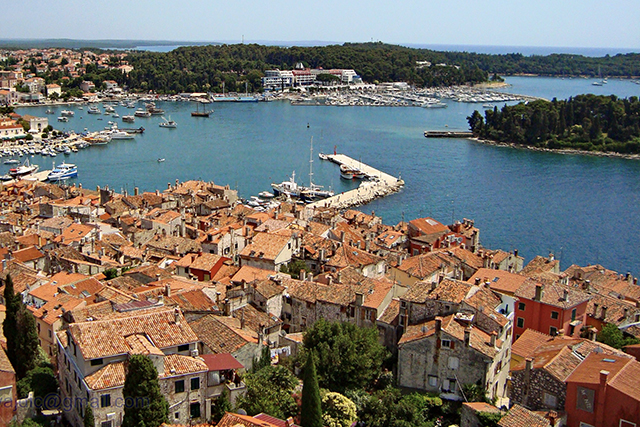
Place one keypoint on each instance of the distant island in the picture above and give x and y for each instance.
(590, 123)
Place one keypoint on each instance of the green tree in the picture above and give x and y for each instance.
(338, 410)
(20, 331)
(348, 356)
(10, 323)
(612, 336)
(311, 409)
(89, 420)
(220, 405)
(41, 381)
(270, 390)
(145, 405)
(263, 361)
(489, 419)
(294, 268)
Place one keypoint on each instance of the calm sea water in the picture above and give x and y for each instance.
(584, 209)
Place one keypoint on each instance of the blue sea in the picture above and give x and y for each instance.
(584, 209)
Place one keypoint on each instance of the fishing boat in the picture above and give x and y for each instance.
(24, 170)
(62, 171)
(168, 124)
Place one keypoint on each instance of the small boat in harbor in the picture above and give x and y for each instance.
(24, 170)
(128, 119)
(49, 111)
(62, 171)
(168, 124)
(161, 160)
(63, 119)
(67, 113)
(266, 195)
(346, 172)
(198, 113)
(142, 113)
(11, 162)
(94, 110)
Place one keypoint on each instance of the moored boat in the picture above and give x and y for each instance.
(24, 170)
(63, 171)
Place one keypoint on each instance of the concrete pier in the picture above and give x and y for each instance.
(379, 184)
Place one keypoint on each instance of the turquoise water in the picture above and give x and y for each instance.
(584, 209)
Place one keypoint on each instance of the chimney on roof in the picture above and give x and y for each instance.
(538, 295)
(359, 299)
(635, 280)
(604, 312)
(595, 309)
(551, 257)
(626, 313)
(438, 324)
(167, 289)
(528, 365)
(303, 275)
(242, 324)
(342, 236)
(176, 315)
(515, 253)
(329, 279)
(565, 295)
(467, 336)
(493, 334)
(629, 277)
(135, 191)
(478, 281)
(288, 422)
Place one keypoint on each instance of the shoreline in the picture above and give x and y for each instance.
(556, 151)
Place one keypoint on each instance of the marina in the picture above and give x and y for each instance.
(249, 145)
(378, 184)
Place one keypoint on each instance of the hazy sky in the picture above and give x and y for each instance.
(570, 23)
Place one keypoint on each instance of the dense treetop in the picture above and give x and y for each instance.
(584, 122)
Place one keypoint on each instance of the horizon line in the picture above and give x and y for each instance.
(307, 42)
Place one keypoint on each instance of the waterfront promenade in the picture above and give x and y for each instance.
(378, 184)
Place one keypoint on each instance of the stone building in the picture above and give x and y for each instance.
(445, 354)
(92, 357)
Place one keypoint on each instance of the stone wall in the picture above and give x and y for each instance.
(539, 383)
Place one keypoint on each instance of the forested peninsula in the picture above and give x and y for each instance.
(241, 66)
(585, 122)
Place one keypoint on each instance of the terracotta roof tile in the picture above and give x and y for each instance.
(552, 294)
(222, 334)
(103, 338)
(522, 417)
(499, 280)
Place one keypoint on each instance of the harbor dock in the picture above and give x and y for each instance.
(378, 184)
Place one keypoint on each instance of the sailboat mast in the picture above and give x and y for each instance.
(311, 164)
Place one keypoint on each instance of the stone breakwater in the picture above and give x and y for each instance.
(378, 184)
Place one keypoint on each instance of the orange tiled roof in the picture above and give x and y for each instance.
(113, 375)
(103, 338)
(522, 417)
